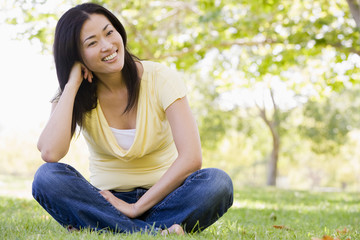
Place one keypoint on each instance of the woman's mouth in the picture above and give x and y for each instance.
(110, 57)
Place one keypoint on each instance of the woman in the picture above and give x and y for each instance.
(145, 153)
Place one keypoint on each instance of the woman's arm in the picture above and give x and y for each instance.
(187, 141)
(54, 140)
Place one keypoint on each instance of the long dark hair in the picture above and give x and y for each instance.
(67, 51)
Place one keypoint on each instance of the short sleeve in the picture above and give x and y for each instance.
(170, 86)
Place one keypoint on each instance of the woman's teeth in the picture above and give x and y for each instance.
(110, 56)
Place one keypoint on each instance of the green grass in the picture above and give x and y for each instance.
(253, 216)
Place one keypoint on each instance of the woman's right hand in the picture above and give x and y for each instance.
(78, 73)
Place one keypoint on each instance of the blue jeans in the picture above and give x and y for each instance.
(72, 201)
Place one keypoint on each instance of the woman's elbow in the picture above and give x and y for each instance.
(197, 163)
(49, 155)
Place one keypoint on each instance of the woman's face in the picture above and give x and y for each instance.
(102, 47)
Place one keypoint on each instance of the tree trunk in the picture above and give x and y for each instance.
(274, 157)
(273, 125)
(355, 11)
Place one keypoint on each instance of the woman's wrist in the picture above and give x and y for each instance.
(136, 210)
(70, 86)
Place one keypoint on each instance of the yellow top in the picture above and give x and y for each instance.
(153, 149)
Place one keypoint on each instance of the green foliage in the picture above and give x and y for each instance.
(182, 32)
(328, 123)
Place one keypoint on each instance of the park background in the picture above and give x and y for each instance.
(273, 85)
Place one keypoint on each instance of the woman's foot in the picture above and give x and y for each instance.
(72, 229)
(174, 229)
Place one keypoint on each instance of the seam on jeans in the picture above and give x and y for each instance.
(72, 169)
(155, 211)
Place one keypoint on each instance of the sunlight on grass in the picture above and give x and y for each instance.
(325, 206)
(15, 186)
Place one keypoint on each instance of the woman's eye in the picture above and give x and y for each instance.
(109, 32)
(92, 43)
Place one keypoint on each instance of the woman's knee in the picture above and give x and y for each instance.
(219, 178)
(215, 189)
(221, 183)
(47, 176)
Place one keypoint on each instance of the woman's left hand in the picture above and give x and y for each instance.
(124, 207)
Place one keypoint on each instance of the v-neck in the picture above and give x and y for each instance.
(107, 131)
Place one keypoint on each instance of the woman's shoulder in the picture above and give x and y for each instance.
(150, 66)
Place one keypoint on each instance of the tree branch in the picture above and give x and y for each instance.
(223, 45)
(262, 113)
(147, 51)
(275, 120)
(273, 99)
(192, 49)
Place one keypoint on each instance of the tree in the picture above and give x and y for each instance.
(327, 123)
(273, 125)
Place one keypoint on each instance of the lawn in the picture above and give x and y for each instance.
(261, 213)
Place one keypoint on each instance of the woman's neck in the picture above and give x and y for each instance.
(111, 82)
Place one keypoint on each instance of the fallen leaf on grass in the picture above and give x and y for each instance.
(345, 230)
(325, 237)
(281, 227)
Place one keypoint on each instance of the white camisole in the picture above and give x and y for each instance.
(124, 137)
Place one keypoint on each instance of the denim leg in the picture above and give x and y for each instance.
(71, 200)
(201, 200)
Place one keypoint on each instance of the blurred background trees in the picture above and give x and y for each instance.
(273, 84)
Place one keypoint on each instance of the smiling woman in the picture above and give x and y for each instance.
(145, 152)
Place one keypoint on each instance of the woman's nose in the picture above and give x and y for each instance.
(105, 45)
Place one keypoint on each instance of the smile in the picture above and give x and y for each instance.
(110, 57)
